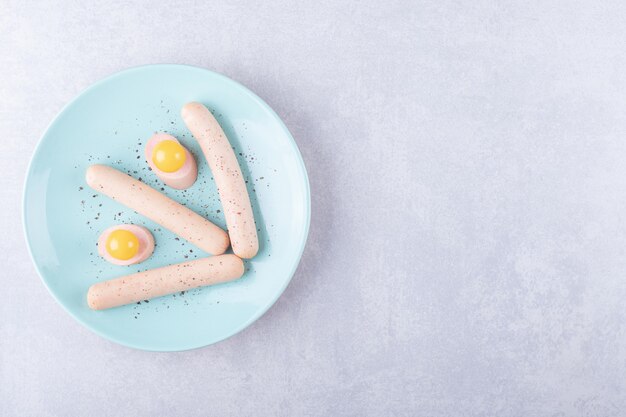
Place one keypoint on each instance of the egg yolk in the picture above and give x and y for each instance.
(122, 244)
(169, 156)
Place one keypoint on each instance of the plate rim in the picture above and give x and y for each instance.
(307, 205)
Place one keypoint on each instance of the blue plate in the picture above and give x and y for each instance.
(109, 124)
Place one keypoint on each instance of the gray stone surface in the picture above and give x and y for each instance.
(467, 247)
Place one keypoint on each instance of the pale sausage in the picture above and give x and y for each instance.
(228, 178)
(148, 202)
(162, 281)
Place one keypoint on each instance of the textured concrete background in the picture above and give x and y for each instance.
(467, 254)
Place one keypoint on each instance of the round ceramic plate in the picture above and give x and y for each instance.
(109, 124)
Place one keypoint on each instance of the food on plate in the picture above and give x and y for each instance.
(171, 161)
(162, 281)
(228, 178)
(126, 244)
(150, 203)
